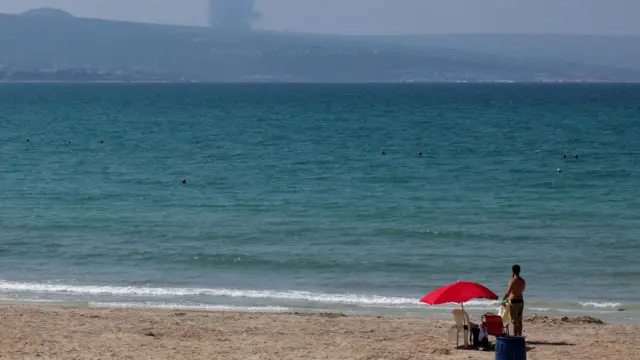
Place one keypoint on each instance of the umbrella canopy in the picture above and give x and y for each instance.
(458, 293)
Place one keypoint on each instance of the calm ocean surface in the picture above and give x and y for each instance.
(289, 205)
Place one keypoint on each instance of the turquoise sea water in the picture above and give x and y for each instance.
(289, 204)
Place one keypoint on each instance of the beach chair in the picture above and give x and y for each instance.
(494, 325)
(463, 325)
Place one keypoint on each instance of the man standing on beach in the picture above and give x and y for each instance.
(515, 294)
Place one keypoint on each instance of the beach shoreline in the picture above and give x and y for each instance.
(611, 313)
(57, 332)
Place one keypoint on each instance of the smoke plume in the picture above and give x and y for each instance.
(232, 14)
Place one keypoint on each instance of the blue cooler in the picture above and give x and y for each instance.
(511, 348)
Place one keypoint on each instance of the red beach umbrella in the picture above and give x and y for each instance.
(459, 293)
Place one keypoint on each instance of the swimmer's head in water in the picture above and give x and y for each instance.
(420, 153)
(516, 270)
(384, 153)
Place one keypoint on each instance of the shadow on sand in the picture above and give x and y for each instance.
(550, 343)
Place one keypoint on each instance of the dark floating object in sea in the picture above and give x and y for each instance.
(384, 153)
(564, 156)
(28, 140)
(101, 141)
(184, 180)
(420, 153)
(575, 156)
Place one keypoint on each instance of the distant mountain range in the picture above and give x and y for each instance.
(608, 50)
(49, 41)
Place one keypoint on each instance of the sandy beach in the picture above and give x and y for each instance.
(44, 332)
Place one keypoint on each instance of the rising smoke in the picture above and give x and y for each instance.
(232, 14)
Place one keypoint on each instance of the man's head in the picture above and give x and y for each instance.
(516, 270)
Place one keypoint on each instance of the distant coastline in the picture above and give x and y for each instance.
(558, 82)
(115, 51)
(89, 82)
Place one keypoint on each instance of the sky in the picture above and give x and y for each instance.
(378, 16)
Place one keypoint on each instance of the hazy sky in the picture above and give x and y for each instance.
(379, 16)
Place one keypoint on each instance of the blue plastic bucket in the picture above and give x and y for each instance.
(511, 348)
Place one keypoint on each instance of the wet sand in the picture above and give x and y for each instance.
(45, 332)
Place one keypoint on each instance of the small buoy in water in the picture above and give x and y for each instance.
(184, 180)
(420, 153)
(28, 140)
(559, 170)
(101, 141)
(575, 156)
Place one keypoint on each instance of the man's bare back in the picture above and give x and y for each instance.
(516, 288)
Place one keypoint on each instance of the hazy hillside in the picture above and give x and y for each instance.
(46, 39)
(617, 51)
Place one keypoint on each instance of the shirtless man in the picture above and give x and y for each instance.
(515, 294)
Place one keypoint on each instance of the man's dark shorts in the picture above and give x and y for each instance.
(517, 310)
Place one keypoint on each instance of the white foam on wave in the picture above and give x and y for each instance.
(353, 299)
(603, 305)
(482, 302)
(14, 301)
(171, 306)
(365, 300)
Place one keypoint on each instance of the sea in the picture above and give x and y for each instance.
(352, 198)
